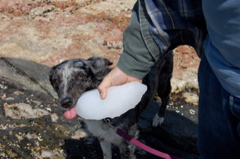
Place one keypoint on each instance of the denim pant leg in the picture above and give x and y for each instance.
(219, 116)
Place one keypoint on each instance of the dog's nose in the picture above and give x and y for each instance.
(66, 102)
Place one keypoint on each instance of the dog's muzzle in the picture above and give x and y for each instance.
(66, 102)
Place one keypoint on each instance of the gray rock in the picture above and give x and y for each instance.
(26, 75)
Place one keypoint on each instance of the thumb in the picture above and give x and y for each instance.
(102, 92)
(102, 88)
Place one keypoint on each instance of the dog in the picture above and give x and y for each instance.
(70, 79)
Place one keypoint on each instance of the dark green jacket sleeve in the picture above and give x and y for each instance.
(140, 51)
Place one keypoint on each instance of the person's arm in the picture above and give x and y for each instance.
(156, 28)
(136, 59)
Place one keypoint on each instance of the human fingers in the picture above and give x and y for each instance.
(114, 78)
(104, 85)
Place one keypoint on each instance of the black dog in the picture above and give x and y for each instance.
(72, 78)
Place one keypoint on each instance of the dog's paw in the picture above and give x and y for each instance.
(157, 120)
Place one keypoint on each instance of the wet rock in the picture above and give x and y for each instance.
(177, 135)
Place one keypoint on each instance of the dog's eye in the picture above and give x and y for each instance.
(56, 81)
(80, 77)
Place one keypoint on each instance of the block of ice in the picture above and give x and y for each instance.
(118, 101)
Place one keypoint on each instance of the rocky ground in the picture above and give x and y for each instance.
(37, 34)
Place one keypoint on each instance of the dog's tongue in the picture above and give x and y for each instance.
(70, 114)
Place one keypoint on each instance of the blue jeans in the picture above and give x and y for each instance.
(219, 118)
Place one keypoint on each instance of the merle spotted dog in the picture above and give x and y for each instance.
(70, 79)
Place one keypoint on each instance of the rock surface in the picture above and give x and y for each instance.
(35, 35)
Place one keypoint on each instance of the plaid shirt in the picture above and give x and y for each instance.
(158, 26)
(176, 22)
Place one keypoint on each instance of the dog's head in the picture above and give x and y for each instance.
(73, 77)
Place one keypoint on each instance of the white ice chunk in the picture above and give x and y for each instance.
(119, 100)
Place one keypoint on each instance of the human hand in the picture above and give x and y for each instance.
(114, 78)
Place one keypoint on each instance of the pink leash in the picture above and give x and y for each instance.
(145, 147)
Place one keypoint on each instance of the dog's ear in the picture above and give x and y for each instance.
(99, 66)
(51, 73)
(99, 61)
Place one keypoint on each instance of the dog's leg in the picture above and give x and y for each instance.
(164, 89)
(164, 95)
(132, 148)
(106, 148)
(127, 150)
(159, 117)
